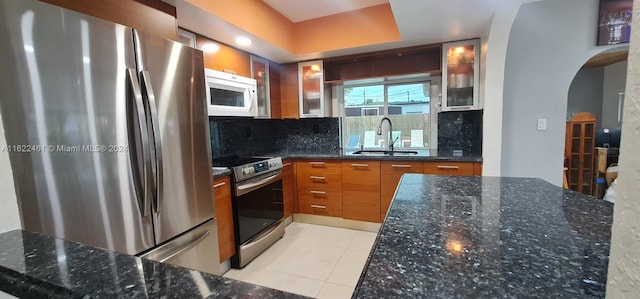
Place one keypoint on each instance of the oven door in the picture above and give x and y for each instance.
(258, 204)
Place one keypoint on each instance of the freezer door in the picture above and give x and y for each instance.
(196, 249)
(172, 79)
(68, 102)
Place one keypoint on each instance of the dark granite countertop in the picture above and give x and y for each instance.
(347, 154)
(488, 237)
(38, 266)
(219, 172)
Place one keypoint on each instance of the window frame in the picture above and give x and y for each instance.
(434, 99)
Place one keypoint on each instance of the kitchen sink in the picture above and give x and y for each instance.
(384, 153)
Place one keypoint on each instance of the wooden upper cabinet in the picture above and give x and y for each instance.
(411, 60)
(225, 59)
(274, 90)
(289, 91)
(152, 16)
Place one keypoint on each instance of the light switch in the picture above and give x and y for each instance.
(542, 124)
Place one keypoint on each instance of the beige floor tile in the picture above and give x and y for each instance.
(280, 281)
(363, 241)
(334, 291)
(349, 267)
(309, 260)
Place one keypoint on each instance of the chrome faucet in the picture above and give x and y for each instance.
(388, 137)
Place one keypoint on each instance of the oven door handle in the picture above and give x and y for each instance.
(245, 188)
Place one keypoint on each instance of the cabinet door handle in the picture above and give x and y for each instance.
(360, 165)
(316, 163)
(313, 177)
(400, 166)
(318, 207)
(219, 184)
(286, 164)
(447, 167)
(317, 192)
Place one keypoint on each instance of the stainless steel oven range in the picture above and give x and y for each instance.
(257, 201)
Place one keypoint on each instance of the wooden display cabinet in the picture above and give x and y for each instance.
(578, 152)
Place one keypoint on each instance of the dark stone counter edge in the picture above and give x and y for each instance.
(328, 156)
(218, 173)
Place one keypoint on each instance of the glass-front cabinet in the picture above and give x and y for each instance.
(311, 88)
(260, 72)
(460, 67)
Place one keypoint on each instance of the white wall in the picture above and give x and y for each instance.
(548, 43)
(585, 93)
(624, 265)
(496, 51)
(9, 215)
(615, 77)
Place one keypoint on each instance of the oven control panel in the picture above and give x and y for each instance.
(250, 170)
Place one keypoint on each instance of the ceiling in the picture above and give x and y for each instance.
(299, 10)
(419, 22)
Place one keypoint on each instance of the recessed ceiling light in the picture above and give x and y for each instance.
(210, 48)
(243, 41)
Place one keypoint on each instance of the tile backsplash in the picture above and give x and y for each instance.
(253, 137)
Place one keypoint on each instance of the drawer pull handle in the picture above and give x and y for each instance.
(317, 177)
(286, 164)
(318, 192)
(316, 163)
(360, 165)
(219, 184)
(447, 167)
(400, 166)
(318, 207)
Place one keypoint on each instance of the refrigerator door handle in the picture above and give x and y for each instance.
(140, 176)
(155, 127)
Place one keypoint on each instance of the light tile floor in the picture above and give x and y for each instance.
(311, 260)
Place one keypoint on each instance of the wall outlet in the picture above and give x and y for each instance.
(542, 124)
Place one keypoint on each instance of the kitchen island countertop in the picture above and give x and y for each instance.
(488, 237)
(38, 266)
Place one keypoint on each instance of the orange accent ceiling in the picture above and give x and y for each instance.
(367, 26)
(253, 16)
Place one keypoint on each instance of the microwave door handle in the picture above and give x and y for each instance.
(155, 127)
(140, 176)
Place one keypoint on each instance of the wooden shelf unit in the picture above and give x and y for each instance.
(579, 152)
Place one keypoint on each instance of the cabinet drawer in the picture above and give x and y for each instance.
(318, 166)
(361, 175)
(324, 181)
(309, 193)
(222, 188)
(320, 207)
(448, 168)
(400, 167)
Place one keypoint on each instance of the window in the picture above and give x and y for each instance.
(407, 102)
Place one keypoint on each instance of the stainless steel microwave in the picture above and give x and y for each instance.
(230, 95)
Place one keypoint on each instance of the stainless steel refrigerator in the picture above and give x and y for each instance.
(108, 135)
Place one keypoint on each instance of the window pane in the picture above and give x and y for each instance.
(408, 107)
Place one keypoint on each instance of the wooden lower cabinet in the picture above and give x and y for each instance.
(390, 174)
(449, 168)
(224, 217)
(319, 187)
(288, 187)
(361, 190)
